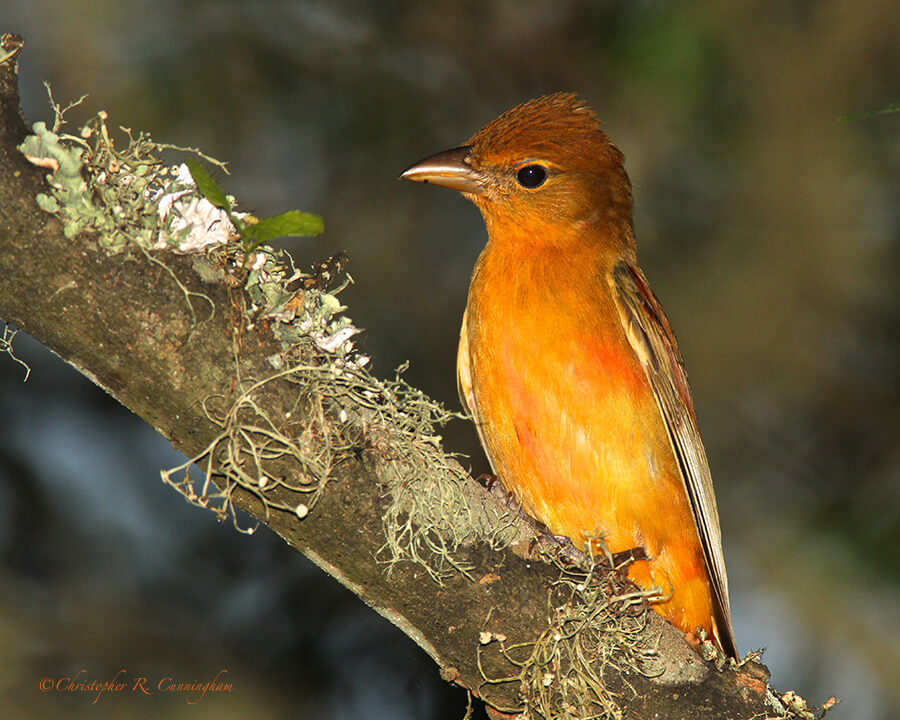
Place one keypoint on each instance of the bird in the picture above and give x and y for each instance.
(568, 365)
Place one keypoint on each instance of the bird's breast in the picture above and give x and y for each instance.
(552, 316)
(563, 405)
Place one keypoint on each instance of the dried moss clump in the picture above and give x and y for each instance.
(596, 632)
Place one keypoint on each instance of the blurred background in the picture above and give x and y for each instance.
(768, 228)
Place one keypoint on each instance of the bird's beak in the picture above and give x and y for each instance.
(451, 168)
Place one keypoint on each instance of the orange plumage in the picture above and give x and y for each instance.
(567, 363)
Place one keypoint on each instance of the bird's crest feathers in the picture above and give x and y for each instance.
(553, 127)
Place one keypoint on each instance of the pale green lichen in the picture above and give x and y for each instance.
(70, 196)
(96, 189)
(117, 193)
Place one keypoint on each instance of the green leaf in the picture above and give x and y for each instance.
(291, 223)
(207, 186)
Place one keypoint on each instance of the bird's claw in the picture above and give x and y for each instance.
(560, 547)
(488, 481)
(494, 485)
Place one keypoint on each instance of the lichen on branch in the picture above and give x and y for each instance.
(125, 198)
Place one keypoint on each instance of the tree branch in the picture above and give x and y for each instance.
(126, 322)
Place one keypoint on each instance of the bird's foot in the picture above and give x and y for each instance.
(494, 485)
(488, 481)
(559, 547)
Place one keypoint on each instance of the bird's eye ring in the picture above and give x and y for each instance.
(532, 176)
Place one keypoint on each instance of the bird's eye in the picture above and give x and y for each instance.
(532, 176)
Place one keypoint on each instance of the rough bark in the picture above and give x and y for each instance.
(124, 323)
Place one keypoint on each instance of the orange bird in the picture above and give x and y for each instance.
(568, 365)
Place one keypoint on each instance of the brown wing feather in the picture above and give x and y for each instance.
(464, 372)
(464, 386)
(653, 341)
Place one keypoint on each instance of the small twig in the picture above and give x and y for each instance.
(6, 340)
(58, 111)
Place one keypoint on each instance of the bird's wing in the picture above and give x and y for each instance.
(651, 337)
(464, 371)
(465, 390)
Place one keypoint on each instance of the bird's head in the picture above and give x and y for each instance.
(544, 162)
